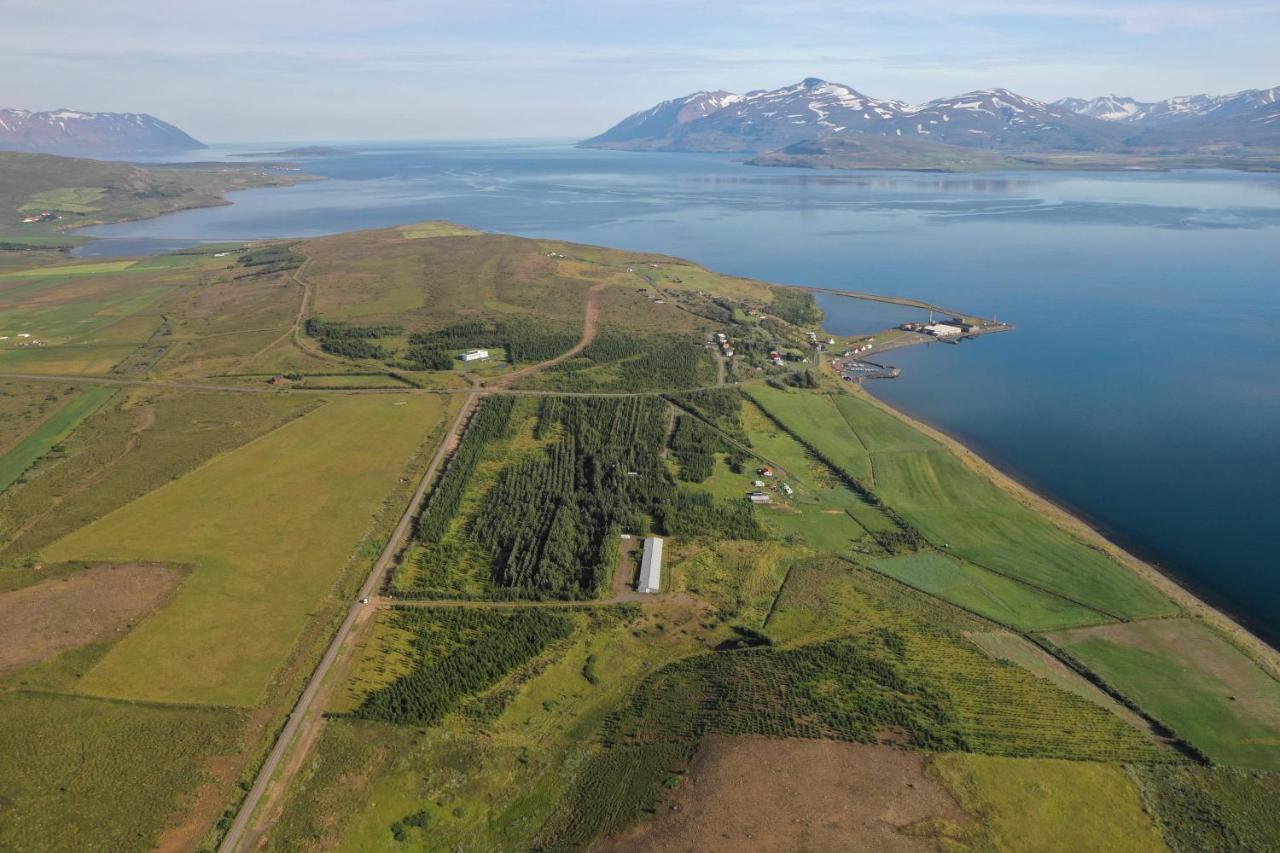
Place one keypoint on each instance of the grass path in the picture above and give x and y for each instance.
(50, 432)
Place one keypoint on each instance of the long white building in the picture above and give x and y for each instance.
(651, 566)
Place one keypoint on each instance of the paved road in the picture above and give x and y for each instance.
(236, 834)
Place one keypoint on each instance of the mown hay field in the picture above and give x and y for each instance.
(999, 598)
(1193, 681)
(268, 527)
(958, 509)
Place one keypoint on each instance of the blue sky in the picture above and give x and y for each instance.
(242, 70)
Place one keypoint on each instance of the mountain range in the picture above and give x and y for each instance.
(818, 120)
(72, 132)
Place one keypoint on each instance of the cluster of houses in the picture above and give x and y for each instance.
(47, 216)
(815, 341)
(725, 345)
(760, 496)
(27, 340)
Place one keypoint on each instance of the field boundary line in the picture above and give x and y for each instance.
(235, 835)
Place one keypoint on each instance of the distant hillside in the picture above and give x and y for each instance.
(72, 132)
(44, 196)
(1184, 109)
(819, 123)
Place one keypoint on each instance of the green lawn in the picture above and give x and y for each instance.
(1193, 681)
(268, 527)
(996, 597)
(57, 427)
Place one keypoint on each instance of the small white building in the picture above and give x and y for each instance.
(651, 566)
(759, 498)
(942, 330)
(475, 355)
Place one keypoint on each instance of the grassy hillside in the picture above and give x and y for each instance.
(85, 192)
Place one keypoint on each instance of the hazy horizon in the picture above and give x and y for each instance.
(246, 72)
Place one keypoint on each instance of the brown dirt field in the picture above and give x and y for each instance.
(39, 622)
(749, 793)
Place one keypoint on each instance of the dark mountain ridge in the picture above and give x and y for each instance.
(72, 132)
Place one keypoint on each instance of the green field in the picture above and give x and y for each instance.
(269, 528)
(71, 270)
(58, 426)
(957, 509)
(69, 199)
(1045, 805)
(1017, 650)
(90, 774)
(143, 440)
(996, 597)
(816, 417)
(1193, 681)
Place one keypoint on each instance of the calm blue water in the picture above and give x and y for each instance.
(1142, 387)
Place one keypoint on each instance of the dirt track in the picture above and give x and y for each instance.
(306, 718)
(590, 324)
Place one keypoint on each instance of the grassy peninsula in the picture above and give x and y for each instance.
(334, 541)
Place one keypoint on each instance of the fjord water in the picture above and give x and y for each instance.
(1141, 388)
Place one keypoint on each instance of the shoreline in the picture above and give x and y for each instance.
(1260, 651)
(1254, 647)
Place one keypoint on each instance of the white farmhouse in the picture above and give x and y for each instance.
(475, 355)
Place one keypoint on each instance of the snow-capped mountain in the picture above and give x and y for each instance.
(1184, 108)
(1003, 120)
(662, 120)
(73, 132)
(813, 108)
(817, 115)
(1107, 108)
(756, 121)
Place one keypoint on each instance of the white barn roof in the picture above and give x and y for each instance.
(651, 566)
